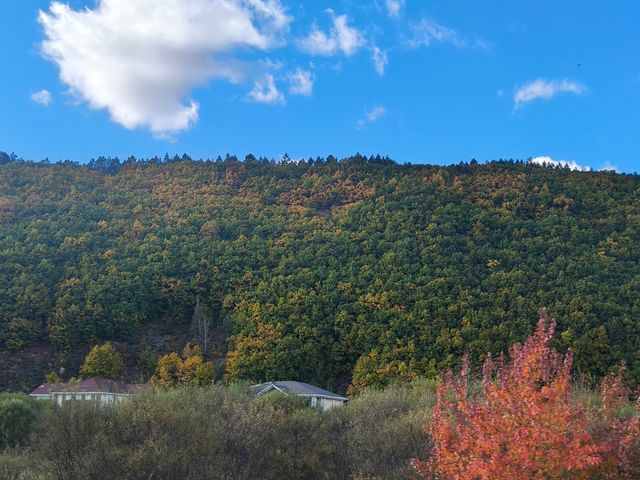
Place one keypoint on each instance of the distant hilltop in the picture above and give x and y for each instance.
(342, 273)
(113, 164)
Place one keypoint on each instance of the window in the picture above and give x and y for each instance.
(314, 401)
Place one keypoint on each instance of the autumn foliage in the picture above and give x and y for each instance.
(618, 433)
(356, 270)
(103, 361)
(190, 369)
(526, 423)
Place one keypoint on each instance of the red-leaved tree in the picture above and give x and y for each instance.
(618, 432)
(523, 424)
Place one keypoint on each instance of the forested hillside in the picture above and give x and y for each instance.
(354, 272)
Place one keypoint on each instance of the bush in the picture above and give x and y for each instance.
(73, 442)
(18, 465)
(222, 432)
(528, 423)
(18, 415)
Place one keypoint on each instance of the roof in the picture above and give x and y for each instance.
(295, 388)
(91, 385)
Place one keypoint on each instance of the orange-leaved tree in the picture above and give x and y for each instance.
(522, 425)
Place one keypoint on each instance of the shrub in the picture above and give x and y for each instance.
(523, 425)
(18, 414)
(527, 423)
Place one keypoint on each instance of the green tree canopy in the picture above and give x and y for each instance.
(335, 272)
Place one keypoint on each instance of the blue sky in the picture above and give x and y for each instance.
(421, 81)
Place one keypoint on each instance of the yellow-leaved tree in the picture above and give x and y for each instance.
(103, 361)
(190, 369)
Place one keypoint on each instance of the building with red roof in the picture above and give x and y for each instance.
(99, 390)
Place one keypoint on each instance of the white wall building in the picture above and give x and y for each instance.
(98, 390)
(318, 398)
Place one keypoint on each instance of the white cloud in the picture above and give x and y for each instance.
(548, 161)
(265, 91)
(342, 38)
(141, 59)
(609, 167)
(43, 97)
(546, 90)
(427, 32)
(394, 7)
(301, 82)
(482, 44)
(372, 116)
(269, 64)
(380, 59)
(375, 113)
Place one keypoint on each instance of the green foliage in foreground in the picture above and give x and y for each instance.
(358, 271)
(18, 415)
(221, 433)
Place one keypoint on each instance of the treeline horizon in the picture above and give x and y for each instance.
(112, 164)
(343, 273)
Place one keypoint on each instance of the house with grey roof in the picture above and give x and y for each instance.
(318, 397)
(98, 390)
